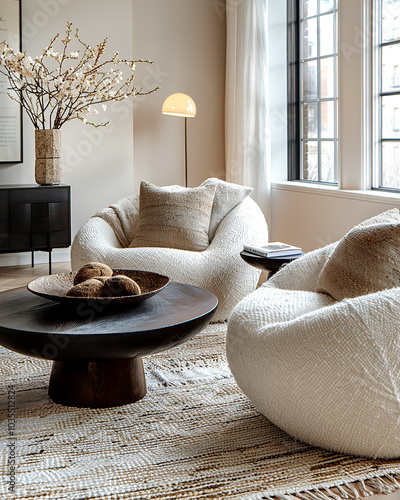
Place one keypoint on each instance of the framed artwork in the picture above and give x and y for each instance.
(10, 111)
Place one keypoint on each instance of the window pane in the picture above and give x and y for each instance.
(327, 69)
(318, 90)
(390, 68)
(390, 168)
(391, 117)
(310, 120)
(310, 160)
(309, 38)
(328, 119)
(326, 35)
(325, 5)
(310, 83)
(309, 8)
(328, 161)
(390, 20)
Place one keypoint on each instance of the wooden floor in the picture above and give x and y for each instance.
(16, 276)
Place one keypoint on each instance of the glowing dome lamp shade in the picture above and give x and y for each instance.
(180, 105)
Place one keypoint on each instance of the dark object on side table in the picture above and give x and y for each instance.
(270, 264)
(34, 217)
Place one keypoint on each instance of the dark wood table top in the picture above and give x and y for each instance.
(38, 327)
(271, 264)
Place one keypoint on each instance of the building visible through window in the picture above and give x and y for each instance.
(388, 71)
(318, 91)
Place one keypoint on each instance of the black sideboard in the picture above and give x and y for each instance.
(35, 217)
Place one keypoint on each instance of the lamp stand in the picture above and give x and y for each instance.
(181, 105)
(186, 176)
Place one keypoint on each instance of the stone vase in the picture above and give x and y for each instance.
(48, 156)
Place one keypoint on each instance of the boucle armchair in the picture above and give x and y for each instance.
(327, 372)
(106, 237)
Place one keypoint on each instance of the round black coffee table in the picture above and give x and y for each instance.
(96, 350)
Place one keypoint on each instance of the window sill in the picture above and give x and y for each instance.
(334, 191)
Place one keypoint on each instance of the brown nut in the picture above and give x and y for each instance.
(88, 288)
(91, 270)
(103, 279)
(118, 286)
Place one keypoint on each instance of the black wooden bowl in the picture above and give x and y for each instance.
(55, 287)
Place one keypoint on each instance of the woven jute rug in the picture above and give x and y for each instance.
(194, 435)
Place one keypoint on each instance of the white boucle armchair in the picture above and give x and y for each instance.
(327, 372)
(219, 269)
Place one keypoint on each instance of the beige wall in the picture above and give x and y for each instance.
(312, 218)
(97, 163)
(186, 39)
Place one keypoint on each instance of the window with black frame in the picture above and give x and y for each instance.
(388, 112)
(312, 90)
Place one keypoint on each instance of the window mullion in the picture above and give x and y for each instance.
(335, 69)
(350, 93)
(386, 69)
(319, 90)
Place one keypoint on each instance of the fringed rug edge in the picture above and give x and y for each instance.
(384, 484)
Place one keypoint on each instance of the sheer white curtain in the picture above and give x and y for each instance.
(247, 145)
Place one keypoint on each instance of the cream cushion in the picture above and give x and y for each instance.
(227, 196)
(174, 219)
(365, 260)
(389, 217)
(327, 372)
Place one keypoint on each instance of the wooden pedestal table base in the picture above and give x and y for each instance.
(97, 356)
(97, 384)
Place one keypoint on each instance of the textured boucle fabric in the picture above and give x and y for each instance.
(121, 217)
(174, 219)
(227, 196)
(365, 261)
(302, 273)
(219, 269)
(391, 216)
(326, 372)
(358, 264)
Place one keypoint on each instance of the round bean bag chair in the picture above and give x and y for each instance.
(326, 371)
(235, 219)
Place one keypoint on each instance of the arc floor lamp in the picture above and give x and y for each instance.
(184, 106)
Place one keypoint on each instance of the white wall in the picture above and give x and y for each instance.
(186, 39)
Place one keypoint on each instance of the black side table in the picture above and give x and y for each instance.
(34, 217)
(270, 264)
